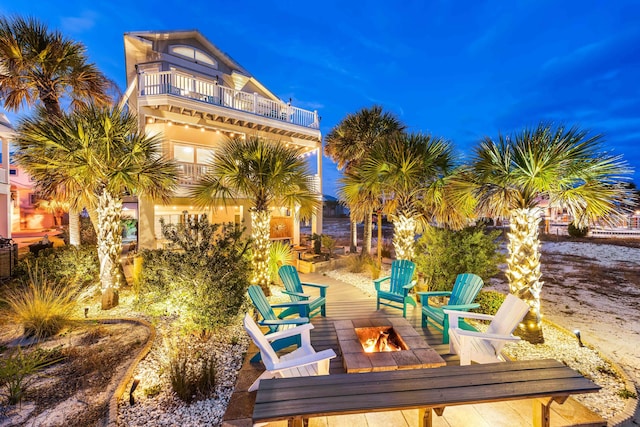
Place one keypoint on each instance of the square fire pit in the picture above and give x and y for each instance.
(392, 343)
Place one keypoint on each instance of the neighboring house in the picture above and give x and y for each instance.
(332, 208)
(5, 184)
(193, 94)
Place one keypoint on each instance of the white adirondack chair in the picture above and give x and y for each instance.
(304, 361)
(486, 347)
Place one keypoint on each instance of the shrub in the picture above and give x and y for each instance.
(328, 242)
(442, 254)
(18, 368)
(317, 243)
(205, 284)
(73, 265)
(577, 231)
(42, 308)
(490, 302)
(191, 375)
(358, 263)
(387, 249)
(280, 254)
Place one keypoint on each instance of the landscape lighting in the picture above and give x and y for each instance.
(577, 334)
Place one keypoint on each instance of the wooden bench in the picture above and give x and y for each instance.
(296, 399)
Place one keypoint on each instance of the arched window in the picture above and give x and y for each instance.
(193, 54)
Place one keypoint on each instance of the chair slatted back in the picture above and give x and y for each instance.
(401, 275)
(269, 356)
(261, 304)
(509, 315)
(465, 289)
(289, 276)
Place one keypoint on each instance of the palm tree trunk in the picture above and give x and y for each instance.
(523, 269)
(354, 236)
(260, 234)
(404, 236)
(379, 239)
(366, 245)
(74, 227)
(109, 247)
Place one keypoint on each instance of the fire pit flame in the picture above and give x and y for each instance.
(376, 340)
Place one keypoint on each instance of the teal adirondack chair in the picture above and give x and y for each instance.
(294, 288)
(275, 324)
(400, 283)
(465, 289)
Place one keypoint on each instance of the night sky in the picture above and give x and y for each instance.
(456, 69)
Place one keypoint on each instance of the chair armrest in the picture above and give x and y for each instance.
(296, 294)
(323, 288)
(460, 307)
(410, 285)
(424, 296)
(305, 360)
(298, 330)
(377, 282)
(289, 304)
(302, 306)
(296, 321)
(315, 285)
(434, 294)
(467, 315)
(485, 336)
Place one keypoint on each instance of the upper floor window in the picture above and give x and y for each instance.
(193, 54)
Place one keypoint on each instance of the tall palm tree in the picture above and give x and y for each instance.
(269, 174)
(407, 171)
(566, 167)
(39, 66)
(351, 140)
(94, 157)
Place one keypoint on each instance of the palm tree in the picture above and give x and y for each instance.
(39, 66)
(410, 172)
(269, 174)
(93, 157)
(564, 166)
(351, 140)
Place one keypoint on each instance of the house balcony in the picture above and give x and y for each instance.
(191, 173)
(223, 103)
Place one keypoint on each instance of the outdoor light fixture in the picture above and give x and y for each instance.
(136, 381)
(577, 334)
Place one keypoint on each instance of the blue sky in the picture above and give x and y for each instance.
(457, 69)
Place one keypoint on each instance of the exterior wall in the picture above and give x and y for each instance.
(5, 184)
(195, 108)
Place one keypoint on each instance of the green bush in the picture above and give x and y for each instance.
(76, 266)
(42, 307)
(17, 371)
(577, 231)
(191, 375)
(280, 254)
(328, 242)
(205, 284)
(442, 254)
(490, 302)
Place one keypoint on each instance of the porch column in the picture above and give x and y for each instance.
(146, 224)
(316, 224)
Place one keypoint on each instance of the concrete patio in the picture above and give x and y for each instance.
(345, 302)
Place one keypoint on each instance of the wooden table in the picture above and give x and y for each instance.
(295, 399)
(355, 360)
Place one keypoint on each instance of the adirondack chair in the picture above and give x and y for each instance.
(465, 289)
(275, 324)
(304, 361)
(486, 347)
(400, 284)
(294, 288)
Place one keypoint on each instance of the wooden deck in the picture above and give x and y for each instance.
(346, 302)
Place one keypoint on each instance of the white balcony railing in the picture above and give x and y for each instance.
(210, 92)
(190, 173)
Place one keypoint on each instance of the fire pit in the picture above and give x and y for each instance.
(383, 344)
(380, 338)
